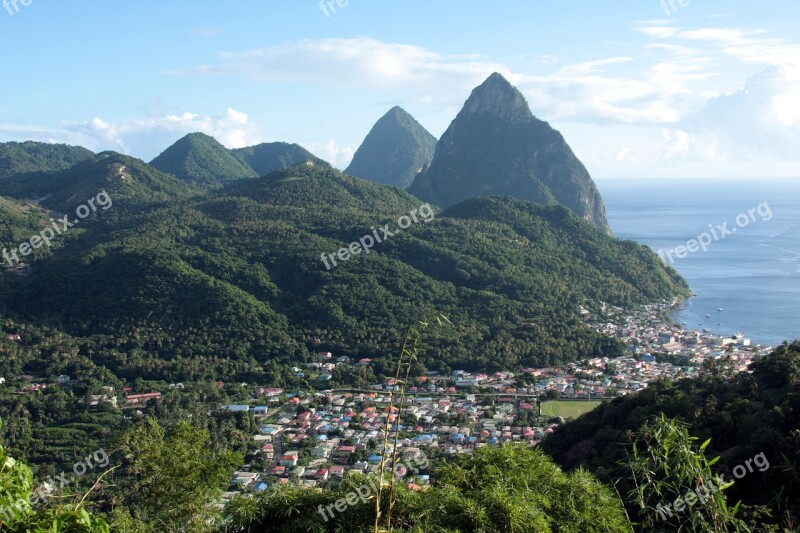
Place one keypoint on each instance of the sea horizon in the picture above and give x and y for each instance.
(752, 274)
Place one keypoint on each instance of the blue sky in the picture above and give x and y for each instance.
(639, 89)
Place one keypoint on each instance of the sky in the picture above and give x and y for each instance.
(639, 88)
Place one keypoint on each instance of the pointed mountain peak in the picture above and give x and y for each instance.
(496, 147)
(395, 150)
(198, 135)
(496, 96)
(396, 115)
(201, 159)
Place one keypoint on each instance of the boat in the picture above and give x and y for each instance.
(708, 316)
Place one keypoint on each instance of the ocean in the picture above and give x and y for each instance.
(748, 279)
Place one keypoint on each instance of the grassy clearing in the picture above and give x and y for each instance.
(568, 408)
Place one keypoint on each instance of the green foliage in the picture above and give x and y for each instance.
(265, 158)
(169, 477)
(201, 159)
(237, 277)
(744, 415)
(666, 464)
(503, 489)
(18, 222)
(129, 182)
(18, 513)
(395, 150)
(29, 157)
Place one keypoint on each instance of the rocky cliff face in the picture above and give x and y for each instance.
(495, 146)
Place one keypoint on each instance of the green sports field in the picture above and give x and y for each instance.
(568, 409)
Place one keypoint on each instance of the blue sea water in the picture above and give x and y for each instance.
(752, 274)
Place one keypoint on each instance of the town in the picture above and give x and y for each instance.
(315, 437)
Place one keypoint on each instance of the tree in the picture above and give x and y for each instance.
(668, 467)
(510, 489)
(17, 500)
(172, 477)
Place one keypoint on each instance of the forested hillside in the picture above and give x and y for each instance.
(239, 274)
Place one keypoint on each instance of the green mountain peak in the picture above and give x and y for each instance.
(201, 159)
(396, 149)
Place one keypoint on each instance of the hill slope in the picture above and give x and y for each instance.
(130, 182)
(268, 157)
(744, 415)
(239, 274)
(396, 149)
(201, 159)
(495, 146)
(30, 156)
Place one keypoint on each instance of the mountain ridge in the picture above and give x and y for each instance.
(264, 158)
(495, 146)
(246, 265)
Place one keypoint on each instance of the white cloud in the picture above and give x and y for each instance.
(676, 143)
(361, 62)
(144, 138)
(332, 152)
(709, 101)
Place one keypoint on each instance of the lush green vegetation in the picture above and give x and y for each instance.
(27, 508)
(395, 150)
(269, 157)
(743, 415)
(666, 463)
(237, 278)
(503, 489)
(495, 146)
(30, 157)
(132, 185)
(168, 479)
(176, 285)
(200, 159)
(18, 222)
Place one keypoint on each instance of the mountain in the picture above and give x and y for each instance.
(238, 276)
(130, 182)
(396, 149)
(495, 146)
(30, 156)
(201, 159)
(269, 157)
(319, 186)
